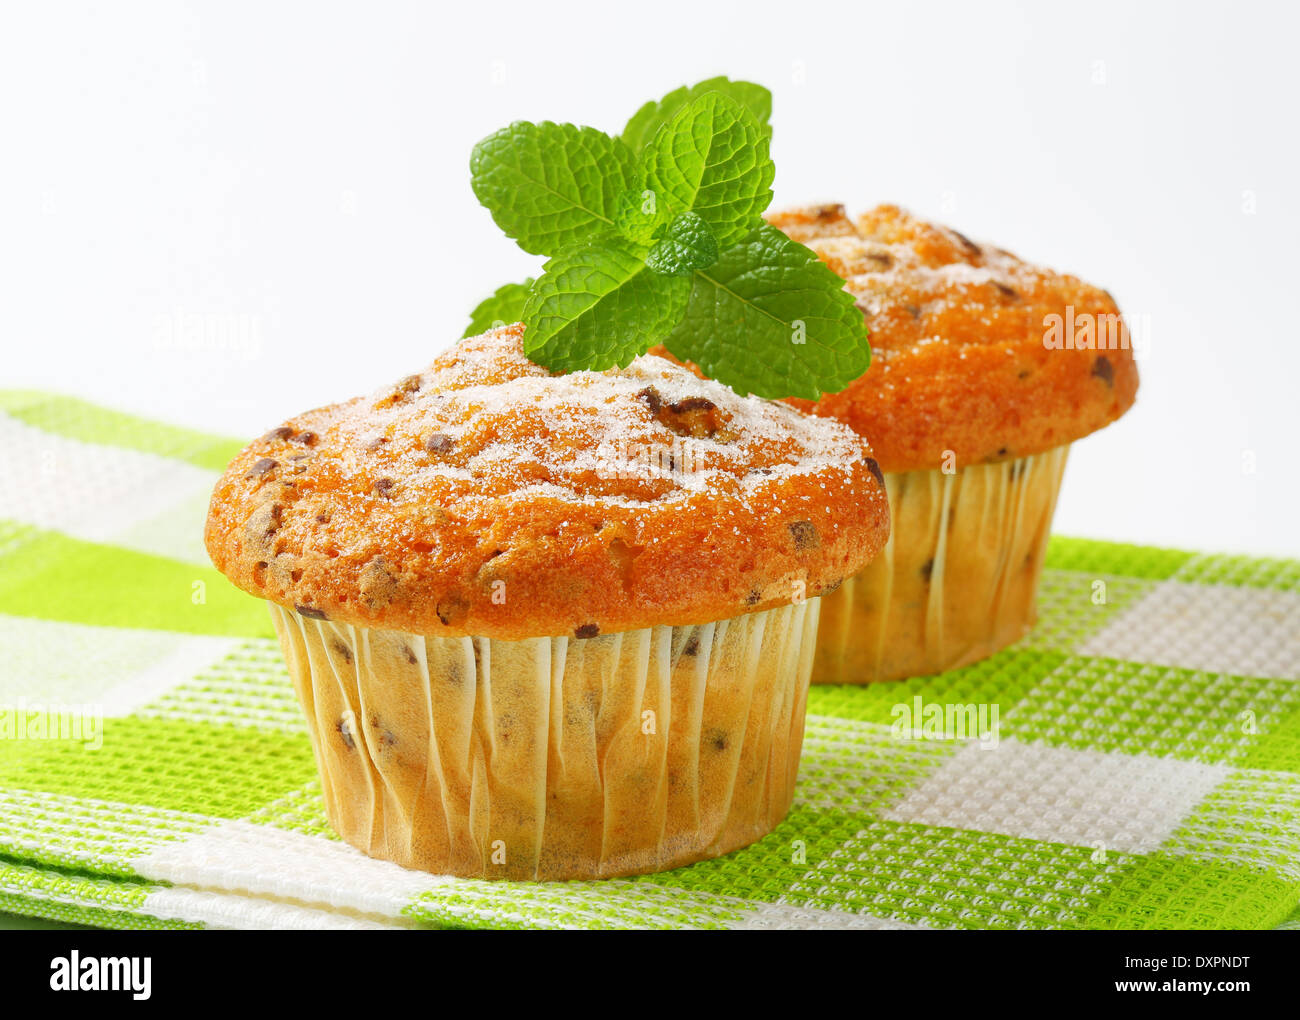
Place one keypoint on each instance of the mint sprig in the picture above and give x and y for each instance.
(551, 185)
(504, 306)
(772, 295)
(658, 237)
(599, 305)
(687, 245)
(712, 159)
(647, 121)
(640, 217)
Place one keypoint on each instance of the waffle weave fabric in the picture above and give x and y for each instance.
(1134, 763)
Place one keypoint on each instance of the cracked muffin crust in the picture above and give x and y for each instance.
(957, 337)
(485, 496)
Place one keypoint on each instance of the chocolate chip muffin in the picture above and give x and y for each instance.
(550, 626)
(985, 369)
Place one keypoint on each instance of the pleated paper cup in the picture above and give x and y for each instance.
(556, 757)
(958, 579)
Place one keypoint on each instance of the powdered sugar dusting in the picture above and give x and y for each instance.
(960, 331)
(902, 271)
(484, 422)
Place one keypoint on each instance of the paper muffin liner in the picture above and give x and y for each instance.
(958, 579)
(555, 758)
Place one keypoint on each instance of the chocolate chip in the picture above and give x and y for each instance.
(311, 612)
(452, 611)
(587, 630)
(262, 467)
(927, 569)
(400, 392)
(692, 646)
(650, 396)
(344, 726)
(1002, 451)
(697, 417)
(283, 432)
(262, 523)
(374, 443)
(874, 467)
(688, 404)
(306, 438)
(343, 650)
(1007, 292)
(804, 534)
(829, 212)
(912, 310)
(376, 583)
(967, 243)
(1024, 373)
(440, 442)
(384, 487)
(882, 259)
(1103, 370)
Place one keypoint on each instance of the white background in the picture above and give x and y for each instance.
(221, 214)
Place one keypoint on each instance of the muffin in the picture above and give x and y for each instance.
(550, 626)
(985, 369)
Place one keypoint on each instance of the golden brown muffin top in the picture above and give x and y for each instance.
(959, 361)
(486, 496)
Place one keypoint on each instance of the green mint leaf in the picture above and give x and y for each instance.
(770, 318)
(639, 217)
(712, 159)
(597, 305)
(687, 245)
(506, 305)
(550, 186)
(647, 121)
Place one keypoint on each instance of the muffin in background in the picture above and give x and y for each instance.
(985, 369)
(549, 627)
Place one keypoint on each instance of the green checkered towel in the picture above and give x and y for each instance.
(1144, 770)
